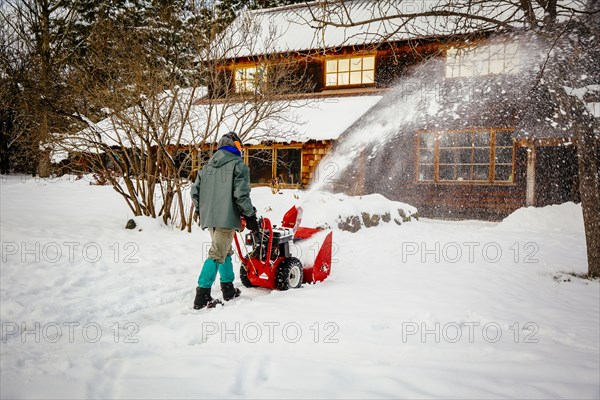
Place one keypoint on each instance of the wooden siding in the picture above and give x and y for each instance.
(393, 174)
(392, 60)
(466, 200)
(312, 153)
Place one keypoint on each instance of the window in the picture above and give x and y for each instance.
(288, 166)
(350, 71)
(184, 163)
(267, 163)
(248, 79)
(594, 108)
(503, 158)
(260, 162)
(202, 157)
(482, 60)
(478, 155)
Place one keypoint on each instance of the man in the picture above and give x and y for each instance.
(221, 194)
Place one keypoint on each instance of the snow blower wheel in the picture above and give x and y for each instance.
(289, 274)
(244, 277)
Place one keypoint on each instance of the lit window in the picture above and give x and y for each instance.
(249, 79)
(484, 155)
(350, 71)
(482, 60)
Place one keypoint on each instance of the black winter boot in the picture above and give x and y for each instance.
(203, 299)
(229, 292)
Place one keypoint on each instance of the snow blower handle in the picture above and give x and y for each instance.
(252, 223)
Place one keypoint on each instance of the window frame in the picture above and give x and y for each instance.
(250, 85)
(276, 164)
(493, 157)
(461, 59)
(274, 149)
(349, 71)
(247, 151)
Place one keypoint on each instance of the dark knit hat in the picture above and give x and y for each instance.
(228, 139)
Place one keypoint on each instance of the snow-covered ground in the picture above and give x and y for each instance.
(426, 309)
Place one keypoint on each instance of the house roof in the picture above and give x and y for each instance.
(316, 119)
(299, 120)
(297, 28)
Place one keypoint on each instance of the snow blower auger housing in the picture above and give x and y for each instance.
(269, 262)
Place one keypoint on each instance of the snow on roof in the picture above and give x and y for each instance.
(327, 118)
(293, 121)
(302, 120)
(169, 107)
(297, 27)
(294, 28)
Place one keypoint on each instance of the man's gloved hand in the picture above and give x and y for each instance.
(252, 223)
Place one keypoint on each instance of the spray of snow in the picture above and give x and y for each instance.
(421, 97)
(374, 129)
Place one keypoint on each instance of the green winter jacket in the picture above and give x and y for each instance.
(221, 192)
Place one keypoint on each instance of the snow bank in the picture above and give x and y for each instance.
(335, 211)
(566, 218)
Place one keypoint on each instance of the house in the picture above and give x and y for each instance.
(450, 121)
(342, 73)
(483, 147)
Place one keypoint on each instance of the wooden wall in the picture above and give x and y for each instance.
(392, 61)
(393, 174)
(556, 181)
(312, 153)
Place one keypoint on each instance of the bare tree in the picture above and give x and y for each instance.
(569, 29)
(151, 149)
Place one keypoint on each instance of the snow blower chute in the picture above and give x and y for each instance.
(270, 264)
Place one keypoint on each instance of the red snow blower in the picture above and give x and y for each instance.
(269, 263)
